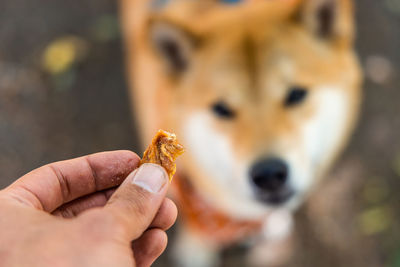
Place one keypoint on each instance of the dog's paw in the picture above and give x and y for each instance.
(190, 250)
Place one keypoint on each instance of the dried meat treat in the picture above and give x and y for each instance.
(163, 150)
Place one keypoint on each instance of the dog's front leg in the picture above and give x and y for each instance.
(191, 250)
(267, 253)
(274, 247)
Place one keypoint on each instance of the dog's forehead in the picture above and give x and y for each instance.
(287, 55)
(247, 61)
(207, 16)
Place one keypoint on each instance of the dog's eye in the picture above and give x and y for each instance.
(296, 95)
(222, 110)
(173, 53)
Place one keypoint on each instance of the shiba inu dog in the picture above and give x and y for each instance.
(262, 93)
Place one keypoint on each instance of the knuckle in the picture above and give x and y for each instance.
(64, 185)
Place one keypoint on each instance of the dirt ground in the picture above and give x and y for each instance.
(50, 112)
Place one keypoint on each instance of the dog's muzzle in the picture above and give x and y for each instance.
(270, 181)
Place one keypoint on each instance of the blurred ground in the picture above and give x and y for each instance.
(50, 112)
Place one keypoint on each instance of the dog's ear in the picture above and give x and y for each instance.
(174, 44)
(328, 19)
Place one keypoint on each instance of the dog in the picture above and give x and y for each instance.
(264, 95)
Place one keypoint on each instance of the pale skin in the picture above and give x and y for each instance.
(96, 210)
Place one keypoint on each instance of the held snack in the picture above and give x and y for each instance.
(163, 150)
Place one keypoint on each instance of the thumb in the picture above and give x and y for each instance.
(134, 205)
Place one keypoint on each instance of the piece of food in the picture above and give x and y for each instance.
(163, 150)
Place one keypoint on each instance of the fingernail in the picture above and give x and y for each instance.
(151, 177)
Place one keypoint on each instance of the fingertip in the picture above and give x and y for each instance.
(166, 215)
(158, 247)
(172, 210)
(125, 158)
(118, 161)
(130, 156)
(149, 247)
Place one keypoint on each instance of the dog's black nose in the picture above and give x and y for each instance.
(269, 175)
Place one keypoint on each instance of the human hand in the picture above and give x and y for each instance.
(69, 213)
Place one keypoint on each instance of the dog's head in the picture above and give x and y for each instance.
(263, 98)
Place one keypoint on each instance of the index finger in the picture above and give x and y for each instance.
(52, 185)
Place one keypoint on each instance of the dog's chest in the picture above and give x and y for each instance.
(201, 217)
